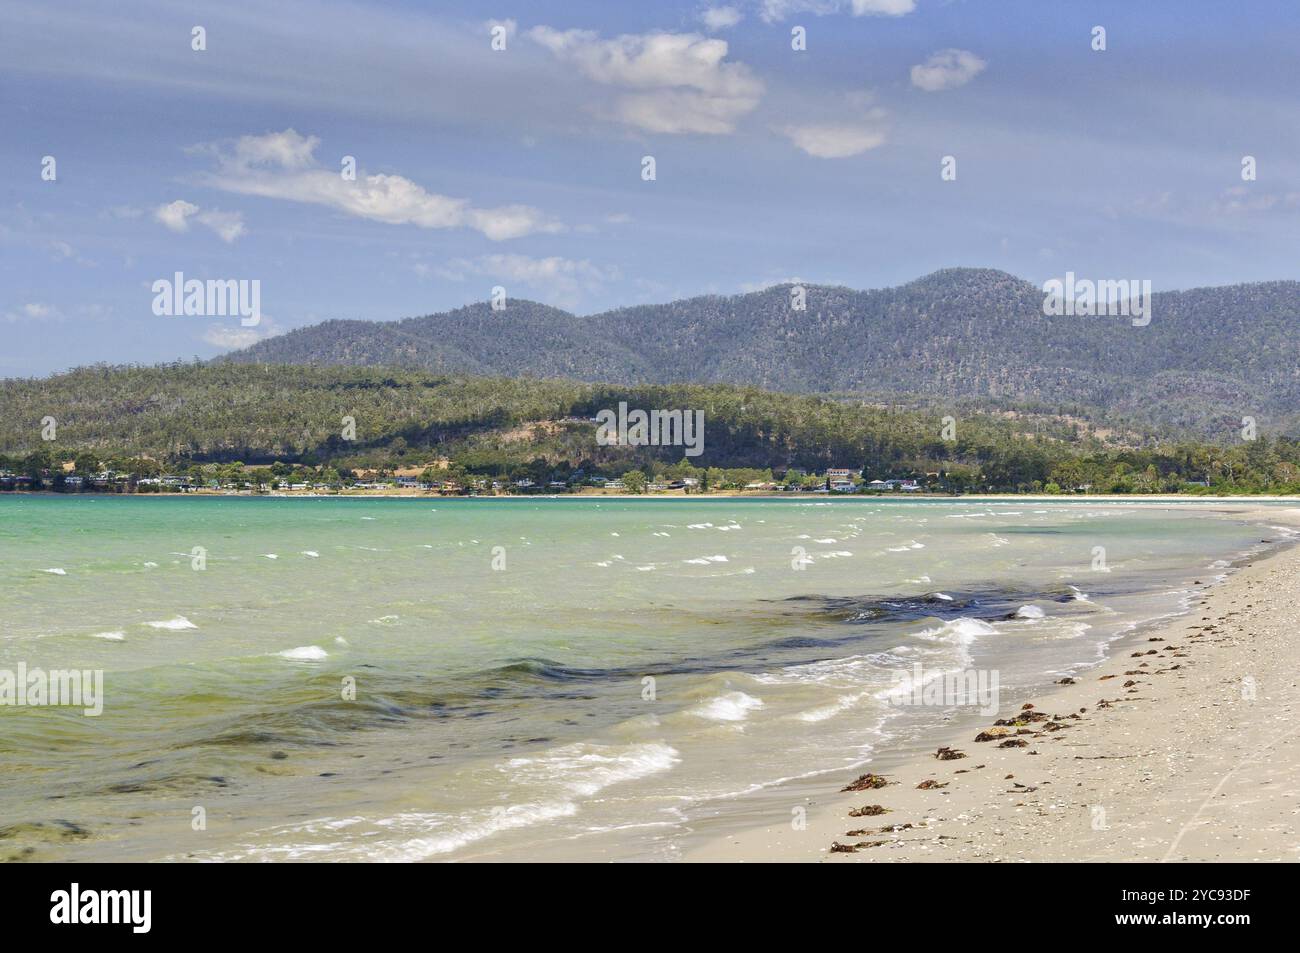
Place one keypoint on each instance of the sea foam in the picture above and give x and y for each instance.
(173, 625)
(733, 706)
(962, 631)
(304, 653)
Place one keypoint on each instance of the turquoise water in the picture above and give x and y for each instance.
(499, 652)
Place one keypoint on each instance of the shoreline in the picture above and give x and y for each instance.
(1183, 754)
(1164, 498)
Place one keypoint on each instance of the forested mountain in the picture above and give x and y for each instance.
(341, 419)
(868, 380)
(1208, 358)
(260, 413)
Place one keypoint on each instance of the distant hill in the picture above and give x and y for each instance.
(261, 414)
(205, 415)
(1209, 357)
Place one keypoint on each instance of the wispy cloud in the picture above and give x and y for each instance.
(673, 82)
(720, 18)
(836, 140)
(37, 310)
(563, 281)
(32, 311)
(282, 165)
(859, 127)
(774, 10)
(947, 69)
(62, 251)
(1245, 200)
(229, 338)
(178, 214)
(882, 8)
(404, 62)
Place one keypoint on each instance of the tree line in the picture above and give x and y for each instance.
(224, 422)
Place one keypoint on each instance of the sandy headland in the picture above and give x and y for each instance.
(1184, 745)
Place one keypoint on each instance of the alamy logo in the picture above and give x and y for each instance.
(212, 298)
(56, 688)
(654, 428)
(1125, 296)
(134, 907)
(928, 688)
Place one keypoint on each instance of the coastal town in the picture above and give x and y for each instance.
(87, 475)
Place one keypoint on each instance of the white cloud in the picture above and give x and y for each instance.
(32, 311)
(883, 8)
(720, 18)
(772, 11)
(282, 165)
(676, 82)
(1242, 199)
(860, 128)
(227, 225)
(176, 216)
(947, 69)
(563, 280)
(835, 140)
(775, 10)
(62, 251)
(233, 337)
(230, 339)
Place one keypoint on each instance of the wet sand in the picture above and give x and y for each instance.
(1183, 746)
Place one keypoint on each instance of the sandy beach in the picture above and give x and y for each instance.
(1180, 747)
(530, 735)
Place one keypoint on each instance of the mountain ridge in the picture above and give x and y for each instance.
(1210, 357)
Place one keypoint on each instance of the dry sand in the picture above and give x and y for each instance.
(1188, 752)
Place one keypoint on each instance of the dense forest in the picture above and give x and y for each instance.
(330, 422)
(1208, 358)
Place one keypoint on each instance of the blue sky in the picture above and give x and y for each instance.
(522, 167)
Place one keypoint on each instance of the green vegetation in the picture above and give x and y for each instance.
(262, 426)
(1209, 357)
